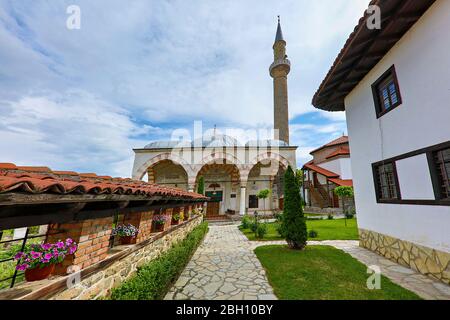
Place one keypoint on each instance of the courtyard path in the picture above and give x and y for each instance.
(225, 267)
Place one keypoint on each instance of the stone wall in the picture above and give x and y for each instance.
(431, 262)
(100, 283)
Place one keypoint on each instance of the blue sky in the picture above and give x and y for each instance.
(136, 70)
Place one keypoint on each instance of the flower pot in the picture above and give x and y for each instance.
(175, 222)
(159, 227)
(37, 273)
(128, 240)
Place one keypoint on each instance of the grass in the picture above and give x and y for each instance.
(326, 229)
(323, 273)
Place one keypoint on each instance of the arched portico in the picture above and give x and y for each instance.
(222, 181)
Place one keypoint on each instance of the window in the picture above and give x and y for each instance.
(386, 92)
(386, 182)
(252, 201)
(442, 163)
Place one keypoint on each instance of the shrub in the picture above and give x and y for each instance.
(153, 280)
(253, 225)
(293, 225)
(245, 222)
(349, 215)
(201, 185)
(278, 216)
(313, 234)
(330, 216)
(261, 230)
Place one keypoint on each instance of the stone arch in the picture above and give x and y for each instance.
(140, 172)
(224, 156)
(270, 156)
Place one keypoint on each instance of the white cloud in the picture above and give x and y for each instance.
(136, 69)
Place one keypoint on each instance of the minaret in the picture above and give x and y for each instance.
(279, 70)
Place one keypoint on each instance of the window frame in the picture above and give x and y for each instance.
(435, 173)
(379, 105)
(429, 152)
(376, 180)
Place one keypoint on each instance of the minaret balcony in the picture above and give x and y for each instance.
(283, 65)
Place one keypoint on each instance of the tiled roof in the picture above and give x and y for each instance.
(339, 152)
(322, 171)
(340, 182)
(365, 47)
(338, 141)
(38, 180)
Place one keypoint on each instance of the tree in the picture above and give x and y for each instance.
(263, 194)
(344, 192)
(201, 185)
(299, 177)
(293, 224)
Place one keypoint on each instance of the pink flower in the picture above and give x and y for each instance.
(35, 255)
(72, 249)
(47, 256)
(69, 241)
(19, 255)
(60, 244)
(22, 267)
(46, 246)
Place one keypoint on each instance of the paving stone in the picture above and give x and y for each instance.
(225, 267)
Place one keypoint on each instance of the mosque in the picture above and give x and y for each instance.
(233, 172)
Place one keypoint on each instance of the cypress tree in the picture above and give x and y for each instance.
(201, 185)
(293, 225)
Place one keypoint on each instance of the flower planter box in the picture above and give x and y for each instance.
(159, 227)
(37, 274)
(128, 240)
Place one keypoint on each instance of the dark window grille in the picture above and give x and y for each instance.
(7, 262)
(386, 92)
(387, 183)
(442, 160)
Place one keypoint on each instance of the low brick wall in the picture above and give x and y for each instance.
(100, 283)
(98, 278)
(431, 262)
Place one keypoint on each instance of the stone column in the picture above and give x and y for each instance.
(242, 201)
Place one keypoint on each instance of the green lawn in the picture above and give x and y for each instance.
(323, 273)
(326, 229)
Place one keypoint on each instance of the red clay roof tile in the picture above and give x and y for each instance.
(340, 182)
(322, 171)
(43, 180)
(339, 152)
(335, 142)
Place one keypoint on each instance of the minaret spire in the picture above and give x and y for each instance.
(279, 70)
(279, 35)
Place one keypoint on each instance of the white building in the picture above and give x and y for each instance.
(394, 85)
(329, 168)
(234, 171)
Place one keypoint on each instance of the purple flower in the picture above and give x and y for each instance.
(19, 255)
(47, 256)
(45, 260)
(72, 249)
(46, 246)
(22, 267)
(35, 255)
(60, 244)
(69, 241)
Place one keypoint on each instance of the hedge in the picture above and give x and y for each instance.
(153, 280)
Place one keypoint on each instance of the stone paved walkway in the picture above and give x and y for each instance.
(225, 267)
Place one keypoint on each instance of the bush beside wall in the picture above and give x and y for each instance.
(153, 280)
